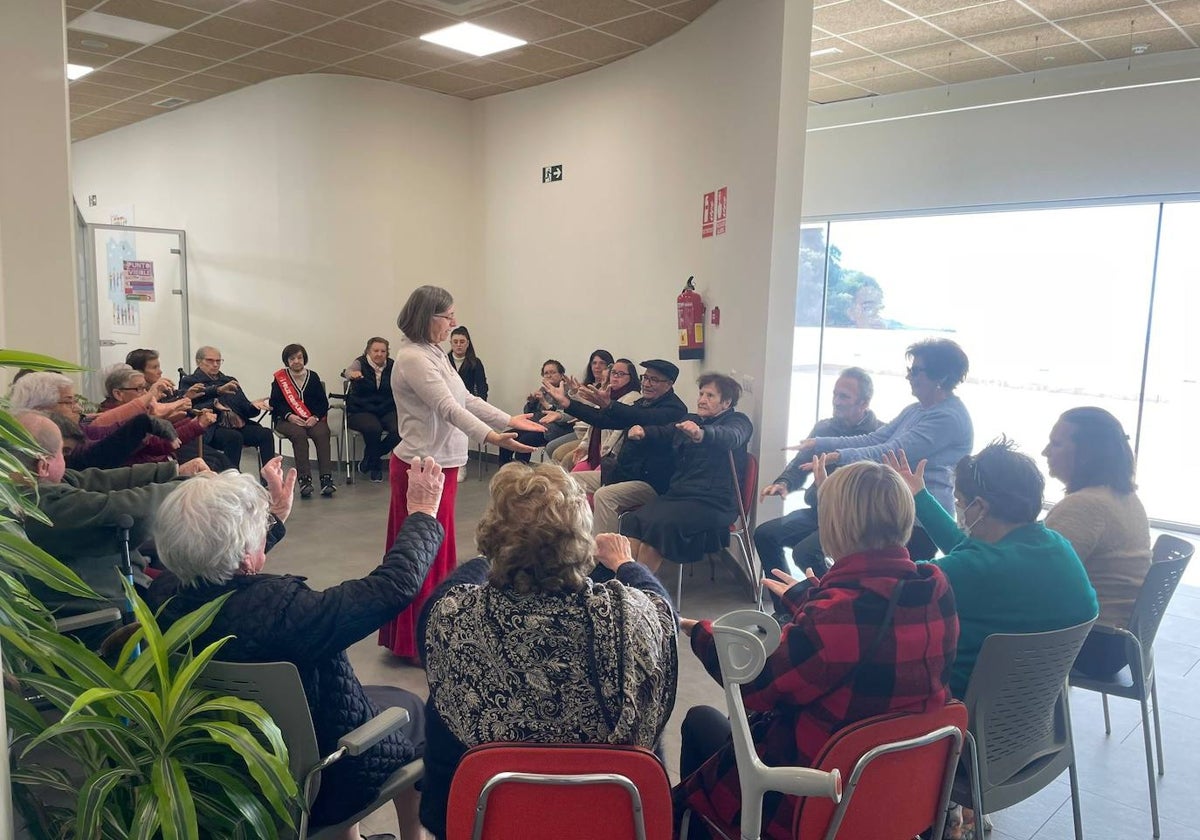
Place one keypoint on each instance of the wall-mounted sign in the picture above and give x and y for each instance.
(139, 280)
(707, 216)
(552, 173)
(722, 207)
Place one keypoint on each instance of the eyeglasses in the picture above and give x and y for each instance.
(657, 380)
(449, 316)
(217, 361)
(68, 401)
(138, 388)
(617, 373)
(914, 370)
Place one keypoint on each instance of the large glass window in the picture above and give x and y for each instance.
(1051, 305)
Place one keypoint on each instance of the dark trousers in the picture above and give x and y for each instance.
(553, 432)
(218, 440)
(259, 437)
(809, 552)
(380, 434)
(771, 538)
(706, 731)
(1102, 655)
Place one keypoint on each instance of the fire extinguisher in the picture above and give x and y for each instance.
(690, 309)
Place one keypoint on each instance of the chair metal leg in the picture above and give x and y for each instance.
(1073, 773)
(1107, 722)
(976, 790)
(1157, 726)
(679, 589)
(1153, 783)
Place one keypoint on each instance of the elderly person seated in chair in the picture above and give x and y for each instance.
(876, 634)
(521, 645)
(211, 537)
(693, 517)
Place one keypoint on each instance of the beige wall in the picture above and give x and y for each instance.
(37, 277)
(312, 205)
(598, 259)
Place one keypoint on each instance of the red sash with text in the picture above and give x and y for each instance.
(291, 395)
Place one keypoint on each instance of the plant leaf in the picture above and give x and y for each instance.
(35, 361)
(273, 777)
(146, 819)
(37, 776)
(89, 805)
(253, 712)
(248, 805)
(176, 807)
(25, 558)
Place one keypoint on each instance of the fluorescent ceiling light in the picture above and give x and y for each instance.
(99, 23)
(469, 38)
(826, 51)
(78, 71)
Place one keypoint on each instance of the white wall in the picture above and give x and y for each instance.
(1101, 144)
(598, 259)
(37, 273)
(312, 204)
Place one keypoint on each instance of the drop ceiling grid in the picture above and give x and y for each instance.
(888, 46)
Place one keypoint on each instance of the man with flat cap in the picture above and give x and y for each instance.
(644, 467)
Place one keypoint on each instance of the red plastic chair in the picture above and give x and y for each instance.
(744, 486)
(510, 791)
(897, 769)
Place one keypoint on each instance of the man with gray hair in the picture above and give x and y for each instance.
(85, 508)
(224, 394)
(852, 415)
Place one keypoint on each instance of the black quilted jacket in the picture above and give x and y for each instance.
(278, 618)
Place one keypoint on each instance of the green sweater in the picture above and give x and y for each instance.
(1030, 581)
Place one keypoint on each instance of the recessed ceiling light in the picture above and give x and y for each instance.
(93, 44)
(78, 71)
(472, 39)
(98, 23)
(826, 51)
(1140, 49)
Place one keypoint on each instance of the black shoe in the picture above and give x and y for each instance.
(306, 488)
(364, 466)
(377, 475)
(327, 488)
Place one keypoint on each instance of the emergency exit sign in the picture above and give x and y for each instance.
(552, 173)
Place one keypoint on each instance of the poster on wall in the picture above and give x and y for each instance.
(722, 207)
(127, 318)
(139, 280)
(119, 248)
(706, 219)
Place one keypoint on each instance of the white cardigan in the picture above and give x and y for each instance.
(435, 414)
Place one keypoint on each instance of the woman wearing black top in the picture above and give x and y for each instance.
(462, 356)
(299, 409)
(370, 406)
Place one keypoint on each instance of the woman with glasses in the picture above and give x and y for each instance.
(437, 417)
(936, 429)
(624, 386)
(124, 385)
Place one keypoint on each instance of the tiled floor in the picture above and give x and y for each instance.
(330, 540)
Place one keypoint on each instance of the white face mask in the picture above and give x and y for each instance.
(960, 516)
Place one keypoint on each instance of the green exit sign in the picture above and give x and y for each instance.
(552, 173)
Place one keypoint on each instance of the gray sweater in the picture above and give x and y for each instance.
(941, 434)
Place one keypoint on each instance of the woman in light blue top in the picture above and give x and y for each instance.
(935, 429)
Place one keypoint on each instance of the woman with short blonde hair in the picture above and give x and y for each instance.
(521, 645)
(867, 506)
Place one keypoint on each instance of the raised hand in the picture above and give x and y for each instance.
(820, 466)
(161, 388)
(229, 387)
(194, 392)
(508, 440)
(206, 417)
(557, 393)
(807, 443)
(425, 482)
(899, 462)
(785, 581)
(169, 409)
(193, 467)
(776, 489)
(279, 487)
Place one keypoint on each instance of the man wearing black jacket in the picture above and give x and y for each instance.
(237, 411)
(644, 467)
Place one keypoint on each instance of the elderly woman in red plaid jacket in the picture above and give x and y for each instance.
(849, 652)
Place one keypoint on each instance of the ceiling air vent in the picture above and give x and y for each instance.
(460, 7)
(171, 102)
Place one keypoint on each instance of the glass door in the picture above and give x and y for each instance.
(135, 292)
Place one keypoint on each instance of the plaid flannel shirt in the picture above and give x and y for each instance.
(834, 624)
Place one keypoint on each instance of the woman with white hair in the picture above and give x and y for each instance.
(211, 537)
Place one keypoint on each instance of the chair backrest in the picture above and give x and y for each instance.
(898, 771)
(1170, 560)
(599, 792)
(743, 487)
(277, 688)
(1016, 699)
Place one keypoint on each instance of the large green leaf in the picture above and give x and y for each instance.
(146, 819)
(248, 805)
(272, 775)
(119, 731)
(253, 712)
(173, 705)
(89, 806)
(176, 808)
(181, 633)
(50, 777)
(35, 361)
(27, 559)
(15, 436)
(20, 504)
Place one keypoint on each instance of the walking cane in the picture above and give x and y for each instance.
(124, 526)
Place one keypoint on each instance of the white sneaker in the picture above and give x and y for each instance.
(462, 473)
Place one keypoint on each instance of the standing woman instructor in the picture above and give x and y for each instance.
(438, 418)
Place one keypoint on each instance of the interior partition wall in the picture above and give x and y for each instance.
(1056, 307)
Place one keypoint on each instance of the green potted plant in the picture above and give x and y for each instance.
(150, 753)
